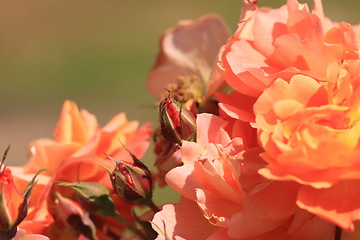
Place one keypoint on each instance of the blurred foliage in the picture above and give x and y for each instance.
(95, 52)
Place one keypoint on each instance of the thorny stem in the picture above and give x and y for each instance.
(338, 232)
(153, 206)
(130, 226)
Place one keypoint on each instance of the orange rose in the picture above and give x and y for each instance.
(310, 133)
(79, 145)
(75, 153)
(279, 43)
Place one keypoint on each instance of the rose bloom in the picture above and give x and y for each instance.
(223, 196)
(79, 145)
(75, 154)
(189, 51)
(279, 43)
(310, 132)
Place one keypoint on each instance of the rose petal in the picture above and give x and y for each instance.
(188, 50)
(183, 220)
(338, 204)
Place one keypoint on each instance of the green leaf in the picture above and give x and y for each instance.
(93, 197)
(23, 209)
(4, 156)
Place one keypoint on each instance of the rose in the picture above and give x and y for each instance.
(220, 184)
(310, 134)
(187, 51)
(76, 153)
(279, 43)
(79, 145)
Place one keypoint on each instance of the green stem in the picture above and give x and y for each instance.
(129, 225)
(338, 232)
(153, 206)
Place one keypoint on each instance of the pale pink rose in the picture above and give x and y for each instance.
(224, 197)
(220, 179)
(182, 221)
(189, 50)
(185, 221)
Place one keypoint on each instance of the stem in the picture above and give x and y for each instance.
(338, 232)
(129, 225)
(153, 206)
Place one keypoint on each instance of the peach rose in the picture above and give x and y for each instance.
(279, 43)
(222, 190)
(310, 133)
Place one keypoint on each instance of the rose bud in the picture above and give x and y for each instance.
(132, 181)
(13, 203)
(72, 217)
(176, 122)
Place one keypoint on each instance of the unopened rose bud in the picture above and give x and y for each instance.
(13, 203)
(176, 122)
(132, 181)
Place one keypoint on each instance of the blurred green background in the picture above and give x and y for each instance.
(95, 52)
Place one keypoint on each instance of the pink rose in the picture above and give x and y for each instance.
(220, 184)
(189, 50)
